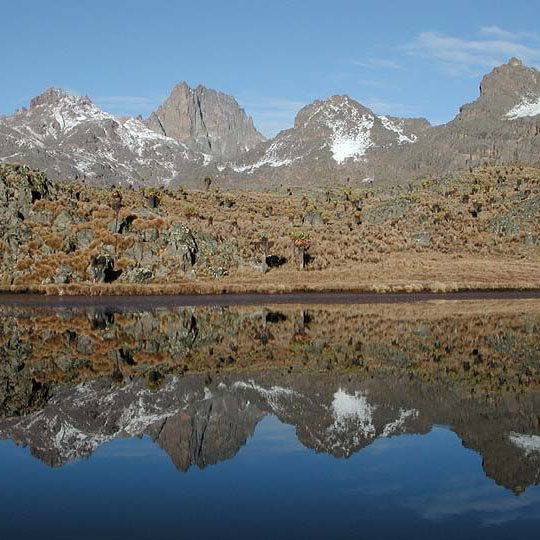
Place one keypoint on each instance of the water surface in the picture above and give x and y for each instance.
(279, 421)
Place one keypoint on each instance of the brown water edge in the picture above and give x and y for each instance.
(127, 302)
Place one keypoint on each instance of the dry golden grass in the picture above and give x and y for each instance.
(368, 242)
(397, 273)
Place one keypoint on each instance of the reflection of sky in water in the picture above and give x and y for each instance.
(409, 486)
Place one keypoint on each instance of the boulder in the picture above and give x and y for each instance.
(313, 218)
(101, 269)
(138, 275)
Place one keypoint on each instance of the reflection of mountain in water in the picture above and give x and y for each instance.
(201, 424)
(198, 381)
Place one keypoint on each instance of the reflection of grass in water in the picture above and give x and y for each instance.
(511, 344)
(483, 347)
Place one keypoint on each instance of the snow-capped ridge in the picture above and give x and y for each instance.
(53, 95)
(338, 129)
(87, 142)
(397, 127)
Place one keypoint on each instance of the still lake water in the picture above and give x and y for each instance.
(373, 421)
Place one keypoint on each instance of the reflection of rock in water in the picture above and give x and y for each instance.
(342, 377)
(206, 432)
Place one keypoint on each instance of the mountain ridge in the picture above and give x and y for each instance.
(199, 132)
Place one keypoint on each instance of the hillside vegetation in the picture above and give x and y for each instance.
(478, 229)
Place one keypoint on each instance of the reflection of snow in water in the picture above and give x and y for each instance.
(398, 425)
(354, 425)
(355, 409)
(529, 443)
(273, 395)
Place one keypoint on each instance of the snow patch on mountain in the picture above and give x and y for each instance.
(137, 137)
(70, 111)
(351, 130)
(272, 158)
(397, 128)
(346, 146)
(528, 107)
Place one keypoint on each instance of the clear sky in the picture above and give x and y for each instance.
(408, 58)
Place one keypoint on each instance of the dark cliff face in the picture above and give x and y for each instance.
(198, 381)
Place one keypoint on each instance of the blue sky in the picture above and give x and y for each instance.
(414, 58)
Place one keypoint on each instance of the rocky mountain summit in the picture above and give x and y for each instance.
(206, 121)
(511, 89)
(199, 132)
(336, 134)
(71, 138)
(501, 126)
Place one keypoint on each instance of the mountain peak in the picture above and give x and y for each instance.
(206, 121)
(512, 77)
(505, 89)
(326, 112)
(54, 95)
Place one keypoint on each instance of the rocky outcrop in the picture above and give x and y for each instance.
(206, 121)
(47, 238)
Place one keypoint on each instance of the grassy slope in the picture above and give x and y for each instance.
(473, 231)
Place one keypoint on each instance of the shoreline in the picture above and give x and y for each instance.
(260, 299)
